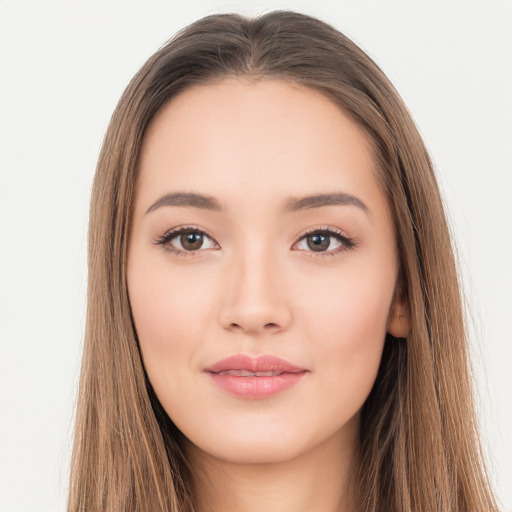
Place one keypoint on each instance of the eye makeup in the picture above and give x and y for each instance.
(315, 240)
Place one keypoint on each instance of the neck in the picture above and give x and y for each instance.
(315, 480)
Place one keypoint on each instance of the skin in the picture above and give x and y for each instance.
(256, 287)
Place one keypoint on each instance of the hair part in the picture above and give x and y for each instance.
(419, 445)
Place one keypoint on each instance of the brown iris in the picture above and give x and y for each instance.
(318, 242)
(191, 240)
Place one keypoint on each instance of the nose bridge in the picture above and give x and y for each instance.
(255, 298)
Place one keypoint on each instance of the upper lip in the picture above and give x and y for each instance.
(265, 363)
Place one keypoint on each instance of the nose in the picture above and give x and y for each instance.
(254, 301)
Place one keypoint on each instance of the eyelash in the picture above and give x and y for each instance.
(346, 242)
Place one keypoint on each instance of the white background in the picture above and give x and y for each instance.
(63, 66)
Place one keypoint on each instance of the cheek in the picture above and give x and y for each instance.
(346, 323)
(168, 311)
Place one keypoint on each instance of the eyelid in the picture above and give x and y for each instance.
(346, 241)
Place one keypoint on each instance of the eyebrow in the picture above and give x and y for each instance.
(294, 204)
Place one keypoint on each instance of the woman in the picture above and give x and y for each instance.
(274, 320)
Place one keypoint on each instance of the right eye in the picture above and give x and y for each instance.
(185, 241)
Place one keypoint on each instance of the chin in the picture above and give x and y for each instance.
(265, 442)
(251, 450)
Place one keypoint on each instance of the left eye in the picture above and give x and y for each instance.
(320, 241)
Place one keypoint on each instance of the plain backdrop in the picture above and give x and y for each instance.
(63, 66)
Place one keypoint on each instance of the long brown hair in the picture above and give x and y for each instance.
(419, 445)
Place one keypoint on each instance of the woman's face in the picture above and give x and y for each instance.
(288, 251)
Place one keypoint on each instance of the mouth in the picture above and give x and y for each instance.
(247, 373)
(255, 378)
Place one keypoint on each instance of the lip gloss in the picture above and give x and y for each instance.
(257, 387)
(255, 378)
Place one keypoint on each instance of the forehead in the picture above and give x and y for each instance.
(261, 139)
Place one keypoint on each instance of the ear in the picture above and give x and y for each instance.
(399, 319)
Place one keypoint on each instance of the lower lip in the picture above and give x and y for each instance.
(256, 387)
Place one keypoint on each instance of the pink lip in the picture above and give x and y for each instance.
(255, 387)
